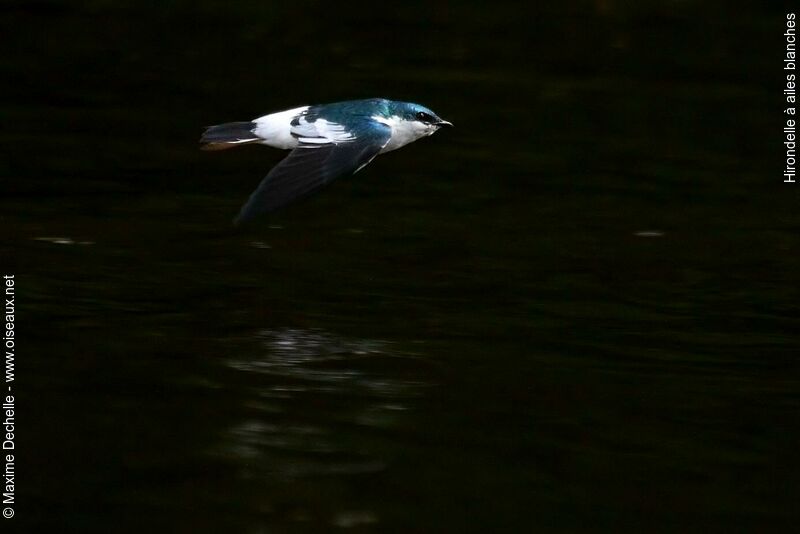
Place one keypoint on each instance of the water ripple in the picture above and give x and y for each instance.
(315, 401)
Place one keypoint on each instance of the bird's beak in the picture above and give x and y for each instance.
(441, 123)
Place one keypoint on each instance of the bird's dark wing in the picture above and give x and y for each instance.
(313, 165)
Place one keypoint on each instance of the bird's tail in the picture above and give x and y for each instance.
(228, 135)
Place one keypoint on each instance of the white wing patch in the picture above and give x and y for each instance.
(320, 132)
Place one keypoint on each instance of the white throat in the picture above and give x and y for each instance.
(403, 131)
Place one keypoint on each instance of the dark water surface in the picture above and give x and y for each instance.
(575, 311)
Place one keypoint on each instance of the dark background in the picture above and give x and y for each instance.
(576, 311)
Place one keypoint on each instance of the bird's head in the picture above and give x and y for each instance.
(422, 120)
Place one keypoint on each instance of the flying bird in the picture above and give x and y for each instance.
(326, 141)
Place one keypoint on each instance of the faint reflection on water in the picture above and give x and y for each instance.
(317, 403)
(62, 241)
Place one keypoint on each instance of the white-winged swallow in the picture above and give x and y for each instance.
(326, 141)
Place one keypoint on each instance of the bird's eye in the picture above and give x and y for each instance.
(424, 117)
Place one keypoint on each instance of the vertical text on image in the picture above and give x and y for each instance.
(789, 129)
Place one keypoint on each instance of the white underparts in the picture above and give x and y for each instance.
(275, 129)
